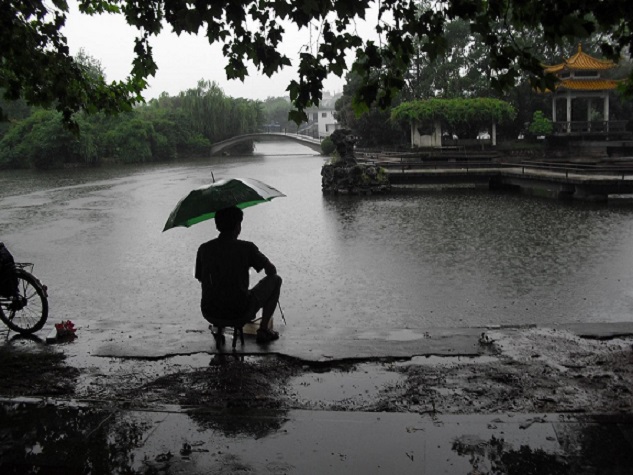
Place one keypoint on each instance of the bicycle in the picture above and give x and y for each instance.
(27, 311)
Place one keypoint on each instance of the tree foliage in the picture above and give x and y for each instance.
(455, 111)
(374, 127)
(216, 116)
(456, 71)
(39, 141)
(168, 128)
(276, 110)
(35, 63)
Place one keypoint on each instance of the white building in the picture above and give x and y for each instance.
(321, 120)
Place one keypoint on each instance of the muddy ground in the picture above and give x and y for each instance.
(521, 371)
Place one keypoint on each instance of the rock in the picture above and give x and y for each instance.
(359, 179)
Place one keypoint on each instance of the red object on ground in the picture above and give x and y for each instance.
(66, 328)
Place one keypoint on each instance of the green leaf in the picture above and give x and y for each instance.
(297, 116)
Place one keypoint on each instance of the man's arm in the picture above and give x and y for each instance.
(270, 268)
(197, 271)
(259, 261)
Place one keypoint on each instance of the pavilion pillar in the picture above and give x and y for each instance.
(568, 112)
(605, 112)
(589, 114)
(554, 107)
(588, 109)
(494, 134)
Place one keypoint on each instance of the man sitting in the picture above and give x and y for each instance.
(222, 267)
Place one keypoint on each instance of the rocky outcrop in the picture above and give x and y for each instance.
(345, 175)
(359, 179)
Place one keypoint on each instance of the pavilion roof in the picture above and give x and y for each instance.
(588, 84)
(580, 61)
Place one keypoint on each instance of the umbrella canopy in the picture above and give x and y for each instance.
(202, 203)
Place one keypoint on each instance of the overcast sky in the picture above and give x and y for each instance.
(182, 61)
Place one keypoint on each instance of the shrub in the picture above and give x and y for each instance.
(327, 146)
(540, 124)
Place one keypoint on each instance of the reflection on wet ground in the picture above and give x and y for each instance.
(28, 368)
(90, 438)
(345, 388)
(36, 437)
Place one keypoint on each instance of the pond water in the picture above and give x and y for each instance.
(415, 258)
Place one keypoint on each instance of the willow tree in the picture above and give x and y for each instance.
(427, 117)
(217, 116)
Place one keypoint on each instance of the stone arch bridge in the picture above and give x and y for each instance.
(314, 144)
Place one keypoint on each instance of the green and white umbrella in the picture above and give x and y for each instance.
(202, 203)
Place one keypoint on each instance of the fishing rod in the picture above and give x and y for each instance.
(282, 313)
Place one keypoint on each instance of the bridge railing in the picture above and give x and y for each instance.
(217, 147)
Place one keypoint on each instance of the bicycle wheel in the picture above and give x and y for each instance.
(29, 312)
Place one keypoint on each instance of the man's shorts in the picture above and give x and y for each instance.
(266, 288)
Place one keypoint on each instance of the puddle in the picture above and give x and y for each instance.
(393, 335)
(363, 382)
(447, 361)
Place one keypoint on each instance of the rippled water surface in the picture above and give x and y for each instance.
(414, 258)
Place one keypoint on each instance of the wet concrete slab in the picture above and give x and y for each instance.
(80, 437)
(319, 344)
(312, 344)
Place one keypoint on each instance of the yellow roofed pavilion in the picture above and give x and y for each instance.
(581, 61)
(579, 79)
(581, 72)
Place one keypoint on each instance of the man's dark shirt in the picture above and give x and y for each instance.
(222, 266)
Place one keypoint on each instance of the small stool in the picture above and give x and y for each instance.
(238, 331)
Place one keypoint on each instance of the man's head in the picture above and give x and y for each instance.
(228, 220)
